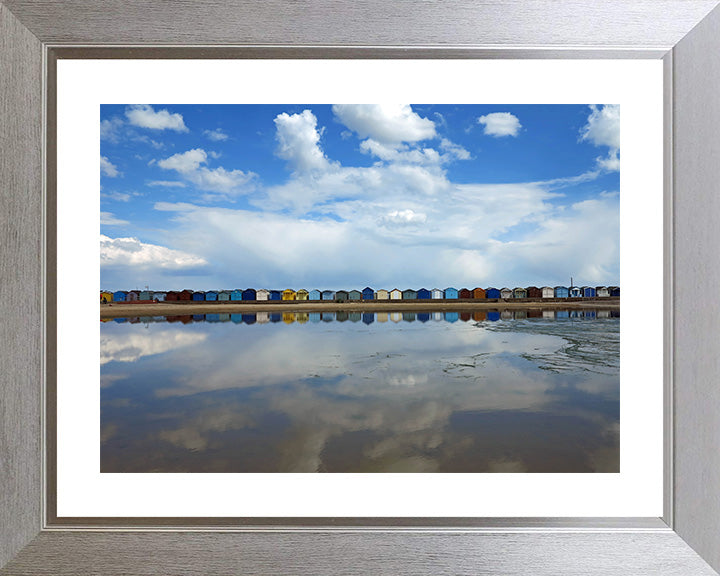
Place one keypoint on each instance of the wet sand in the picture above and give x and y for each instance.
(121, 309)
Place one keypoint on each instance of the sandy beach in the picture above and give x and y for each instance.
(121, 309)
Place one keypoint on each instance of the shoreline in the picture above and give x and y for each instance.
(119, 310)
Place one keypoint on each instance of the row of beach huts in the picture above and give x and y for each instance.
(370, 317)
(252, 295)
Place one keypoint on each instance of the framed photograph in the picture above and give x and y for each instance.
(418, 481)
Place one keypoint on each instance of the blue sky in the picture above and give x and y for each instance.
(346, 196)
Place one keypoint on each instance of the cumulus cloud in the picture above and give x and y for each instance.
(218, 181)
(603, 129)
(185, 162)
(133, 252)
(144, 116)
(216, 135)
(385, 123)
(299, 141)
(603, 126)
(108, 168)
(500, 124)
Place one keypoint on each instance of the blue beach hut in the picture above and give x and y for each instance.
(211, 296)
(249, 294)
(588, 292)
(198, 296)
(236, 295)
(315, 295)
(328, 295)
(451, 294)
(561, 292)
(354, 295)
(615, 291)
(424, 294)
(492, 293)
(409, 294)
(119, 296)
(368, 293)
(224, 295)
(275, 295)
(575, 292)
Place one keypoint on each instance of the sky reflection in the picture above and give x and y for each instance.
(361, 395)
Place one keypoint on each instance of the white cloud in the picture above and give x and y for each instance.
(144, 116)
(139, 255)
(109, 219)
(385, 123)
(118, 196)
(603, 129)
(167, 183)
(185, 162)
(216, 135)
(453, 150)
(108, 168)
(298, 141)
(500, 124)
(403, 218)
(405, 154)
(611, 162)
(218, 180)
(110, 129)
(603, 126)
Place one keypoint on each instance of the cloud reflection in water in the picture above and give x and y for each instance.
(537, 395)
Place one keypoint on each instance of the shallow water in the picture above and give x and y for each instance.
(479, 391)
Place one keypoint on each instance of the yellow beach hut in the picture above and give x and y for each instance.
(106, 297)
(288, 294)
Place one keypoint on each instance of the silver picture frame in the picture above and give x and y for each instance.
(685, 34)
